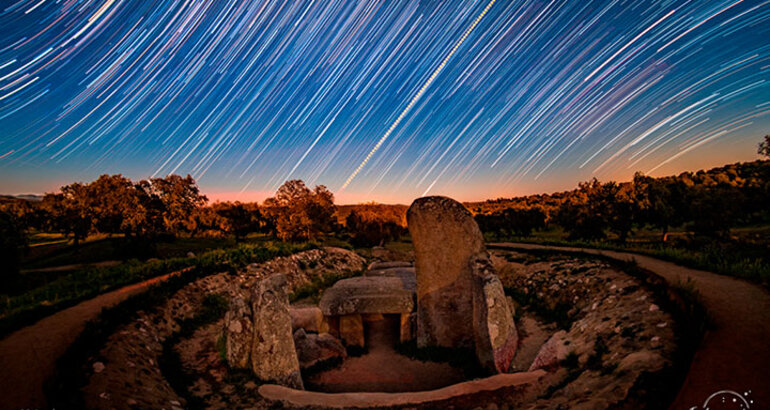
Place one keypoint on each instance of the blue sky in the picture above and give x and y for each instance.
(532, 96)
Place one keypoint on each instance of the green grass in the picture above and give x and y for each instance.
(69, 289)
(50, 250)
(746, 256)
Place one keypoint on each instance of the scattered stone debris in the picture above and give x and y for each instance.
(608, 340)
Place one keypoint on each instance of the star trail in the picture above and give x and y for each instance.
(389, 100)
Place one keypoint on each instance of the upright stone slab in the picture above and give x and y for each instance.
(239, 333)
(495, 333)
(445, 239)
(273, 356)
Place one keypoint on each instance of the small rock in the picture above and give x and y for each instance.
(131, 402)
(655, 342)
(654, 308)
(98, 367)
(190, 254)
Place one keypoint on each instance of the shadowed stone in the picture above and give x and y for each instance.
(239, 332)
(389, 265)
(352, 330)
(495, 334)
(308, 318)
(273, 356)
(553, 352)
(445, 238)
(313, 349)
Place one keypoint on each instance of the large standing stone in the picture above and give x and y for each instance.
(445, 238)
(495, 334)
(239, 333)
(273, 356)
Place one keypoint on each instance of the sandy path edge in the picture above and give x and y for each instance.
(28, 356)
(734, 354)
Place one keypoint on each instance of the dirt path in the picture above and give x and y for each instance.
(734, 355)
(28, 356)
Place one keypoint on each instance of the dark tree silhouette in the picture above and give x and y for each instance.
(13, 243)
(764, 147)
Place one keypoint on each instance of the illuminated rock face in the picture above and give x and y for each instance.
(495, 333)
(445, 239)
(460, 300)
(239, 333)
(351, 302)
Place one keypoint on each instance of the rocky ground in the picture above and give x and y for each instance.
(596, 331)
(604, 332)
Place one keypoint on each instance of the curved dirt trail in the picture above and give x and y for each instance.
(734, 355)
(28, 356)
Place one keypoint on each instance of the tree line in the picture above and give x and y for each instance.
(707, 203)
(140, 214)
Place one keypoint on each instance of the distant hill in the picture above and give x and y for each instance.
(26, 197)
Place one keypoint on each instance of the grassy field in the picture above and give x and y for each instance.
(746, 254)
(84, 283)
(50, 250)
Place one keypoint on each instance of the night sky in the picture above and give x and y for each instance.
(389, 100)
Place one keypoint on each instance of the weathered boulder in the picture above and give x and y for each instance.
(494, 332)
(239, 333)
(273, 355)
(365, 294)
(445, 239)
(552, 353)
(314, 349)
(308, 318)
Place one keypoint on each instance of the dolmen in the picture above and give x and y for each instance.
(451, 297)
(385, 289)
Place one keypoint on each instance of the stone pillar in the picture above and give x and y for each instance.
(273, 355)
(407, 327)
(239, 333)
(445, 239)
(495, 333)
(352, 330)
